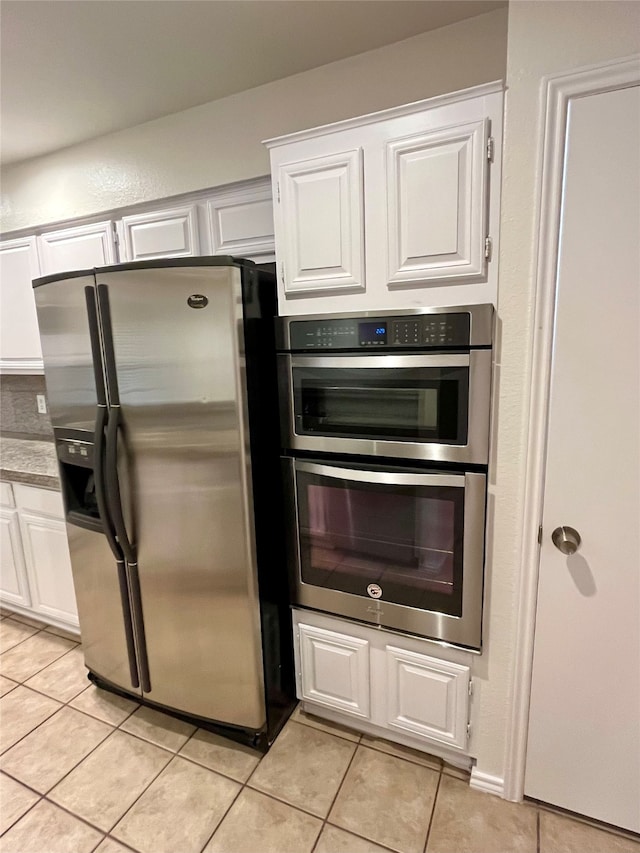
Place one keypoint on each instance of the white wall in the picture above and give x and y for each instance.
(543, 38)
(221, 142)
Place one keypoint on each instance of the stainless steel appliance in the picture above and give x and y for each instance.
(162, 388)
(409, 384)
(385, 433)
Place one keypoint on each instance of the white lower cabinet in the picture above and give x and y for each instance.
(14, 586)
(383, 683)
(334, 670)
(36, 566)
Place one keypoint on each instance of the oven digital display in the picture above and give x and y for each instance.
(372, 333)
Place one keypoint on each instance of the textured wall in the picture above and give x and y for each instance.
(18, 409)
(221, 142)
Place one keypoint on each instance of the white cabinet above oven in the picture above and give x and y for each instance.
(394, 209)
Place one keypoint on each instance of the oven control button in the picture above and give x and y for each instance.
(374, 590)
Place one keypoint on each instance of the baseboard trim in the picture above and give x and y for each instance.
(485, 782)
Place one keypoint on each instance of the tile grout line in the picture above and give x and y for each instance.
(433, 811)
(337, 793)
(176, 754)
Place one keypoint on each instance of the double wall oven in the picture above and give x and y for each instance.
(385, 435)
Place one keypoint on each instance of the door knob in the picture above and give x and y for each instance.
(566, 539)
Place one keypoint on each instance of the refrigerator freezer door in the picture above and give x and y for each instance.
(177, 336)
(66, 349)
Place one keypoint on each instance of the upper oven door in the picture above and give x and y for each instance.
(432, 407)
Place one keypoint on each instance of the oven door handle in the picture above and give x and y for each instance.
(385, 478)
(388, 362)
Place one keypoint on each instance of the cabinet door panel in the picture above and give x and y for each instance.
(19, 336)
(437, 185)
(334, 670)
(14, 586)
(161, 234)
(241, 223)
(319, 223)
(80, 248)
(427, 697)
(49, 567)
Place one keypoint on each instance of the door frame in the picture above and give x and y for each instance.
(558, 91)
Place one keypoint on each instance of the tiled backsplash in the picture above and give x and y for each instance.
(18, 408)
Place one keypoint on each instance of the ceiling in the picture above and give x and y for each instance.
(72, 70)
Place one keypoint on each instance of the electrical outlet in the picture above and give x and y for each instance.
(42, 403)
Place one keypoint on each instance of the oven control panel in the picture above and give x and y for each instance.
(414, 332)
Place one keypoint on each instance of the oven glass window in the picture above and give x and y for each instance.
(406, 540)
(406, 404)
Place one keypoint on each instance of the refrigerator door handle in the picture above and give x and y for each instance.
(107, 526)
(113, 485)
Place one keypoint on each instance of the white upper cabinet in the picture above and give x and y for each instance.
(79, 248)
(319, 223)
(240, 222)
(19, 337)
(395, 209)
(169, 233)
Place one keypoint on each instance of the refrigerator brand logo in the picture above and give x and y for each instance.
(374, 590)
(197, 300)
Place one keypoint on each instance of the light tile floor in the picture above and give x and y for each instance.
(82, 770)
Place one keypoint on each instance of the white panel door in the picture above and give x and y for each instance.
(79, 248)
(584, 735)
(49, 567)
(319, 223)
(169, 233)
(14, 586)
(427, 696)
(334, 670)
(19, 336)
(436, 203)
(241, 224)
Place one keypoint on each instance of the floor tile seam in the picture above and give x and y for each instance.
(117, 841)
(619, 832)
(48, 695)
(62, 705)
(55, 784)
(336, 734)
(344, 776)
(33, 674)
(358, 835)
(141, 794)
(433, 811)
(400, 758)
(20, 739)
(222, 819)
(24, 814)
(207, 767)
(284, 802)
(24, 640)
(84, 820)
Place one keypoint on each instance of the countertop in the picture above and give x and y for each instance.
(30, 461)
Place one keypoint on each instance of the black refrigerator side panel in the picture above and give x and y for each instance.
(260, 309)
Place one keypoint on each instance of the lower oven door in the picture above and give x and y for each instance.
(399, 548)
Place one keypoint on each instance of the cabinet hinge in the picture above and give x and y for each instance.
(488, 245)
(540, 535)
(116, 236)
(468, 730)
(490, 147)
(282, 273)
(471, 687)
(278, 192)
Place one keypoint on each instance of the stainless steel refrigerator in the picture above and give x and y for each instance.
(161, 384)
